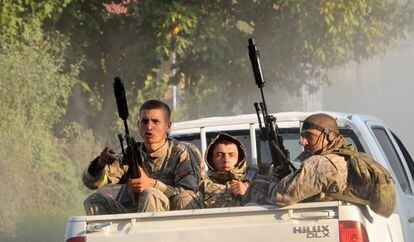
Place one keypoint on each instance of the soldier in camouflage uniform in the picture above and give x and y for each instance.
(170, 176)
(227, 180)
(322, 173)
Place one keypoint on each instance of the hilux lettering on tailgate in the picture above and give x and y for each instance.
(320, 231)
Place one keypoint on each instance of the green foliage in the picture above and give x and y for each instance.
(80, 145)
(155, 86)
(34, 89)
(22, 21)
(206, 42)
(39, 93)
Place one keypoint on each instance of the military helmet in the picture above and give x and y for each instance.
(322, 122)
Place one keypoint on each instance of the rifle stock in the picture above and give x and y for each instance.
(268, 126)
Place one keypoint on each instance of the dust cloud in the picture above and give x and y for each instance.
(381, 87)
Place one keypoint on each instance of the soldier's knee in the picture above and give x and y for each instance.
(93, 202)
(93, 199)
(186, 200)
(151, 195)
(152, 200)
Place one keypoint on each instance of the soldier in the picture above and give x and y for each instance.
(170, 175)
(322, 173)
(227, 179)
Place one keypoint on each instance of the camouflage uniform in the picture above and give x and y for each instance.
(176, 168)
(319, 176)
(217, 191)
(257, 194)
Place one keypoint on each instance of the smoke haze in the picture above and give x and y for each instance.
(381, 87)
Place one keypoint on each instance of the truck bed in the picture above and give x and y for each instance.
(251, 223)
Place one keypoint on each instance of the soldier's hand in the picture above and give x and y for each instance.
(141, 184)
(239, 187)
(107, 157)
(275, 174)
(93, 210)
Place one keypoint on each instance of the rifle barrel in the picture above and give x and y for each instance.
(256, 106)
(122, 105)
(120, 97)
(270, 129)
(255, 60)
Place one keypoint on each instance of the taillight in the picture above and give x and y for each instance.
(352, 231)
(77, 239)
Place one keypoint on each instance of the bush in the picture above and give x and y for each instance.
(36, 173)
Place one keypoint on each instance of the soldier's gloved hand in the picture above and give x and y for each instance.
(239, 187)
(275, 174)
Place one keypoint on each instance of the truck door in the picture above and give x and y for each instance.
(403, 169)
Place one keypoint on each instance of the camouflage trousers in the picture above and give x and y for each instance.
(257, 194)
(151, 200)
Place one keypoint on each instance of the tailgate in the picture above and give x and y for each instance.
(310, 222)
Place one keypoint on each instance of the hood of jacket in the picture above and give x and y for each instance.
(239, 169)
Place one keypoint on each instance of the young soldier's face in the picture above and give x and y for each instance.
(313, 140)
(225, 156)
(153, 126)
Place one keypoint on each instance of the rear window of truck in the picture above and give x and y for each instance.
(291, 141)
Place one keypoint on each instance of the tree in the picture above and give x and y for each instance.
(205, 42)
(35, 85)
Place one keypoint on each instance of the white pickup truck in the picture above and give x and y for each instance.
(333, 221)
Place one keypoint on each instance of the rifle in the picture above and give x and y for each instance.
(129, 154)
(268, 127)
